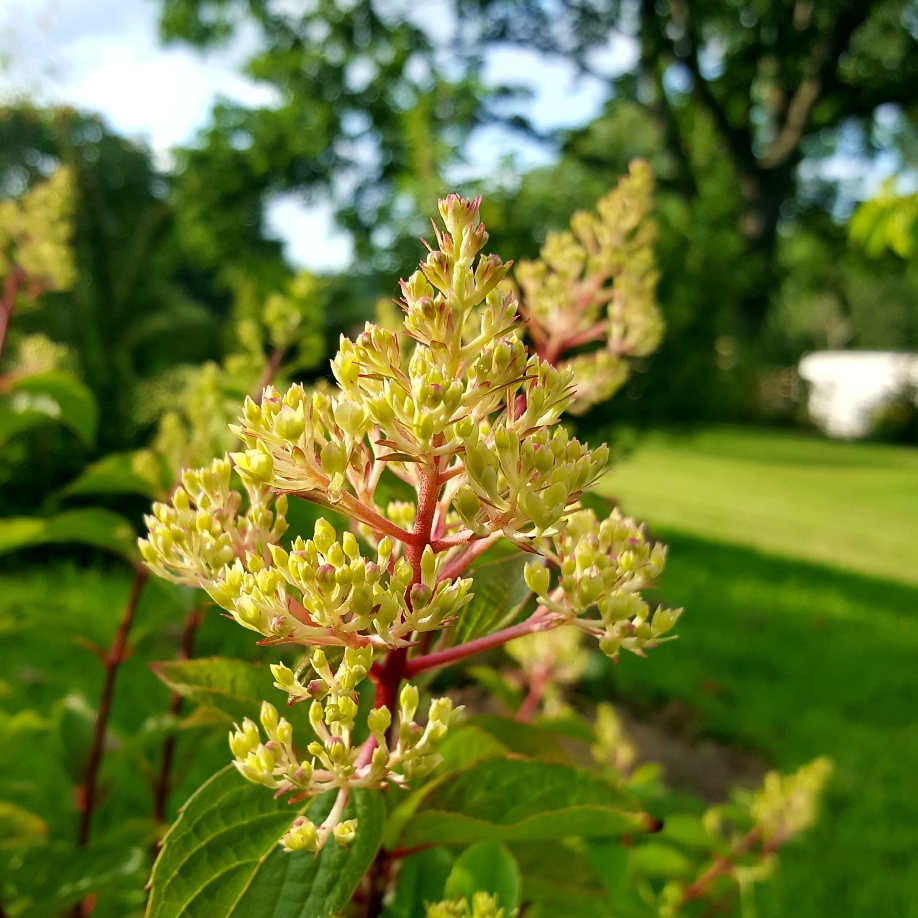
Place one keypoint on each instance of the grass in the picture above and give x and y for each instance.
(852, 506)
(796, 661)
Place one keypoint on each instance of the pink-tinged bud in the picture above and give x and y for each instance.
(420, 596)
(325, 577)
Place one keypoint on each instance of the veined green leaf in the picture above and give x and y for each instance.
(466, 744)
(499, 591)
(657, 860)
(516, 800)
(558, 880)
(222, 856)
(55, 876)
(534, 742)
(608, 858)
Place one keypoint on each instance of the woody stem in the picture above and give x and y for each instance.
(113, 661)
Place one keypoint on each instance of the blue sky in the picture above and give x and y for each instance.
(104, 56)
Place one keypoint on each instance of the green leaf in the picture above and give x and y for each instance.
(18, 824)
(516, 800)
(121, 473)
(53, 877)
(656, 860)
(486, 867)
(422, 878)
(571, 726)
(467, 744)
(89, 526)
(71, 401)
(558, 880)
(499, 591)
(222, 856)
(534, 742)
(609, 859)
(74, 722)
(688, 830)
(14, 422)
(235, 688)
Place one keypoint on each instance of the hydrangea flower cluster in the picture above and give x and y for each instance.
(35, 235)
(596, 283)
(459, 410)
(604, 565)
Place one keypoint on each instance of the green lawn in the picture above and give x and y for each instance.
(791, 658)
(853, 506)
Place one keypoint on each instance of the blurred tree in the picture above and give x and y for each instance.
(370, 109)
(165, 270)
(693, 375)
(887, 222)
(768, 75)
(127, 314)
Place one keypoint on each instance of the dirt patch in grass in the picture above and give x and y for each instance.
(709, 769)
(669, 736)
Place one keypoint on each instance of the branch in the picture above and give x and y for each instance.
(452, 541)
(822, 62)
(536, 690)
(113, 661)
(359, 511)
(470, 648)
(269, 372)
(654, 66)
(737, 139)
(468, 554)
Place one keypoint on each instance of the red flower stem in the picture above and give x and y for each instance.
(389, 672)
(272, 365)
(721, 866)
(387, 675)
(470, 648)
(451, 541)
(531, 702)
(113, 661)
(462, 560)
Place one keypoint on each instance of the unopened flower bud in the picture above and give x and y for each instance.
(269, 717)
(379, 720)
(537, 578)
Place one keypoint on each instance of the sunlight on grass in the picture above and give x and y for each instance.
(853, 506)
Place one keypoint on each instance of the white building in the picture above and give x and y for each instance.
(846, 386)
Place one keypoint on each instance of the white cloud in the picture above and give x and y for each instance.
(105, 55)
(311, 239)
